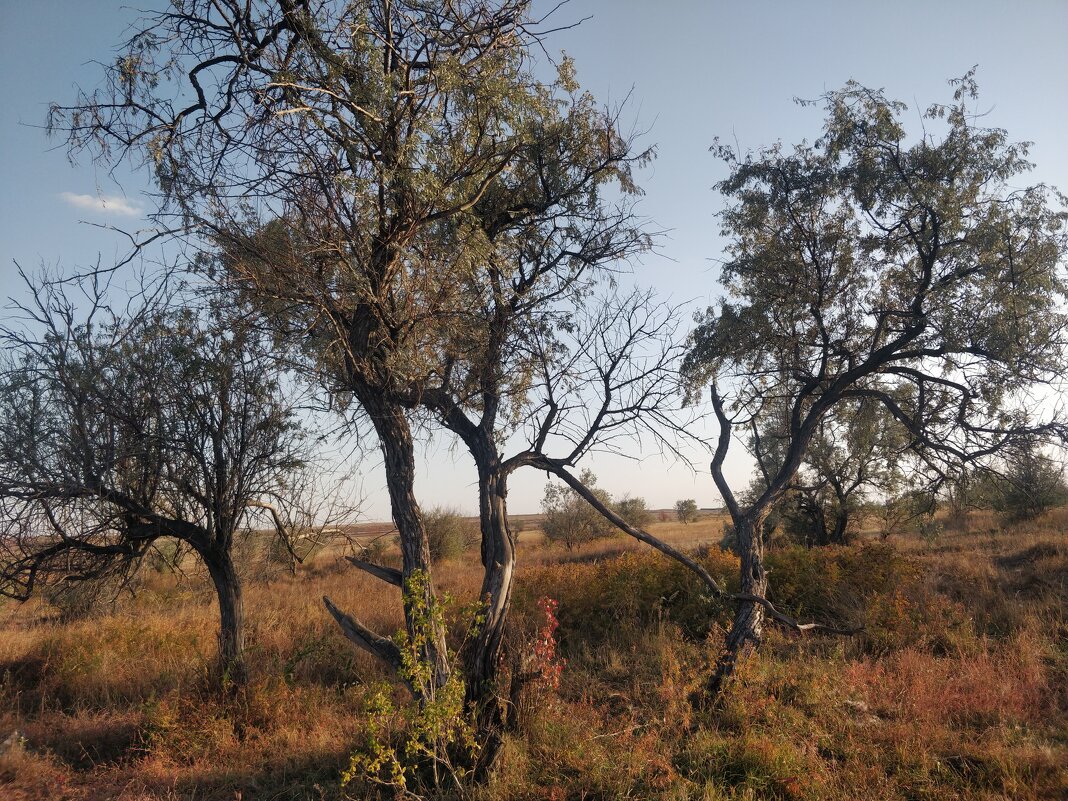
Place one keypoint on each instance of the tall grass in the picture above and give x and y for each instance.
(955, 689)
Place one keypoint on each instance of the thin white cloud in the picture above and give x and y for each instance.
(105, 203)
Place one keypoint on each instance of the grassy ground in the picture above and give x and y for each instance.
(958, 687)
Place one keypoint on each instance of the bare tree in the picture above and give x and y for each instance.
(864, 267)
(119, 429)
(569, 374)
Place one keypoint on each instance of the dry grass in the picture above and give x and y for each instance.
(957, 689)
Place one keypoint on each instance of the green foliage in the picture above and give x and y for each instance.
(1033, 484)
(449, 533)
(634, 511)
(875, 267)
(426, 744)
(686, 510)
(568, 518)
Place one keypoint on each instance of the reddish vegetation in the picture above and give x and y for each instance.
(956, 688)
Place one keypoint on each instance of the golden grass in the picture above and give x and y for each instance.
(958, 688)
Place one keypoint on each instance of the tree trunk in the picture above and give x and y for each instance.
(398, 455)
(819, 518)
(220, 566)
(841, 528)
(748, 628)
(482, 665)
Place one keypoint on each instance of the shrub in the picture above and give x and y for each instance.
(605, 600)
(1034, 485)
(634, 511)
(448, 532)
(83, 600)
(686, 510)
(569, 518)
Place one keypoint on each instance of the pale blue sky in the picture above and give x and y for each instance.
(695, 70)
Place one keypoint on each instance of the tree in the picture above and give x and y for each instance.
(568, 518)
(686, 510)
(870, 267)
(422, 202)
(1032, 484)
(365, 128)
(857, 450)
(512, 344)
(120, 430)
(634, 510)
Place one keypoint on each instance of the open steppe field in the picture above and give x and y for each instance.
(957, 688)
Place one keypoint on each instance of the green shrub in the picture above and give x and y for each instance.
(686, 510)
(449, 533)
(634, 511)
(569, 518)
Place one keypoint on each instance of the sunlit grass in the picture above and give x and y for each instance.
(958, 688)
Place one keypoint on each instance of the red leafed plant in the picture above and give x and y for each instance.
(547, 664)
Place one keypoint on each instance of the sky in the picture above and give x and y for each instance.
(689, 72)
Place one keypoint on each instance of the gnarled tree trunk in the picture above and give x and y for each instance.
(398, 453)
(840, 533)
(747, 630)
(223, 574)
(482, 662)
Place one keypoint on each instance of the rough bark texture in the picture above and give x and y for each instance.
(840, 533)
(231, 614)
(747, 630)
(482, 663)
(398, 455)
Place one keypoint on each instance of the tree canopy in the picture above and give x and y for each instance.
(871, 265)
(119, 429)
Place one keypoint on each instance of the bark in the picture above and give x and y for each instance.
(482, 663)
(390, 575)
(747, 630)
(398, 453)
(220, 566)
(839, 533)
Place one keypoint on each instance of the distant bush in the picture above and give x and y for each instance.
(569, 518)
(909, 511)
(1033, 485)
(449, 533)
(634, 511)
(165, 556)
(686, 510)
